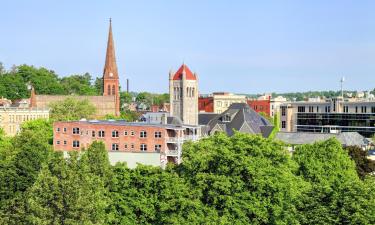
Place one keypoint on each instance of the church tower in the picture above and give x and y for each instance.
(111, 84)
(183, 91)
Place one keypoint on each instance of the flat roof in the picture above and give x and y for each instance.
(125, 123)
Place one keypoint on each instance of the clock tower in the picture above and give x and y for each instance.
(111, 84)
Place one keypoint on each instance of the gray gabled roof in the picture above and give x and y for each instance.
(241, 118)
(345, 138)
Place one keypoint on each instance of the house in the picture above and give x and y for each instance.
(238, 117)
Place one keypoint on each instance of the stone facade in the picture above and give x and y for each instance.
(183, 90)
(11, 118)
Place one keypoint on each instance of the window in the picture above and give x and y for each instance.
(346, 109)
(93, 133)
(126, 146)
(328, 109)
(57, 142)
(109, 89)
(311, 109)
(75, 130)
(126, 133)
(143, 134)
(373, 109)
(283, 110)
(75, 144)
(226, 118)
(143, 147)
(157, 148)
(113, 90)
(356, 109)
(64, 129)
(132, 133)
(301, 109)
(64, 142)
(132, 146)
(114, 147)
(101, 133)
(363, 109)
(283, 124)
(317, 109)
(157, 134)
(58, 129)
(114, 133)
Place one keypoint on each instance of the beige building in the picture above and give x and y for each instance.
(11, 118)
(222, 100)
(275, 105)
(329, 116)
(183, 91)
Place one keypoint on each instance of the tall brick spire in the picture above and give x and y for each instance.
(111, 83)
(110, 68)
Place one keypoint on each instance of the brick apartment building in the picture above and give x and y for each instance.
(145, 143)
(260, 105)
(206, 104)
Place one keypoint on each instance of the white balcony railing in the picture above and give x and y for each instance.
(181, 139)
(171, 152)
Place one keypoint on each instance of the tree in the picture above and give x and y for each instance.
(245, 178)
(334, 196)
(364, 166)
(66, 192)
(71, 109)
(149, 195)
(78, 85)
(125, 98)
(2, 69)
(99, 85)
(12, 86)
(43, 80)
(19, 172)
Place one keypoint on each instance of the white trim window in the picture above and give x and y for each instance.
(75, 144)
(115, 134)
(157, 134)
(75, 130)
(115, 147)
(143, 147)
(143, 134)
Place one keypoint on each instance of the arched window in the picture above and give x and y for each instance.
(113, 90)
(109, 89)
(187, 92)
(192, 92)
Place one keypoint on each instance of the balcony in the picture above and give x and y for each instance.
(182, 139)
(171, 152)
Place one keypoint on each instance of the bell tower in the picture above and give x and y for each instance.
(111, 84)
(183, 94)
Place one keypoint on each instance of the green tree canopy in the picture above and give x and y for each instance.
(244, 178)
(71, 109)
(334, 196)
(364, 166)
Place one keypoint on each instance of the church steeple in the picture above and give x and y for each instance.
(110, 68)
(111, 84)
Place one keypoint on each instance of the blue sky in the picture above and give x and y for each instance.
(236, 46)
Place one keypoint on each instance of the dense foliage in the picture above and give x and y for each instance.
(71, 109)
(14, 83)
(364, 166)
(241, 179)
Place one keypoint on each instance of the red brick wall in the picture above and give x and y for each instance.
(85, 137)
(206, 104)
(260, 106)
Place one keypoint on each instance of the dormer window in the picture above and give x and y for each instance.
(226, 118)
